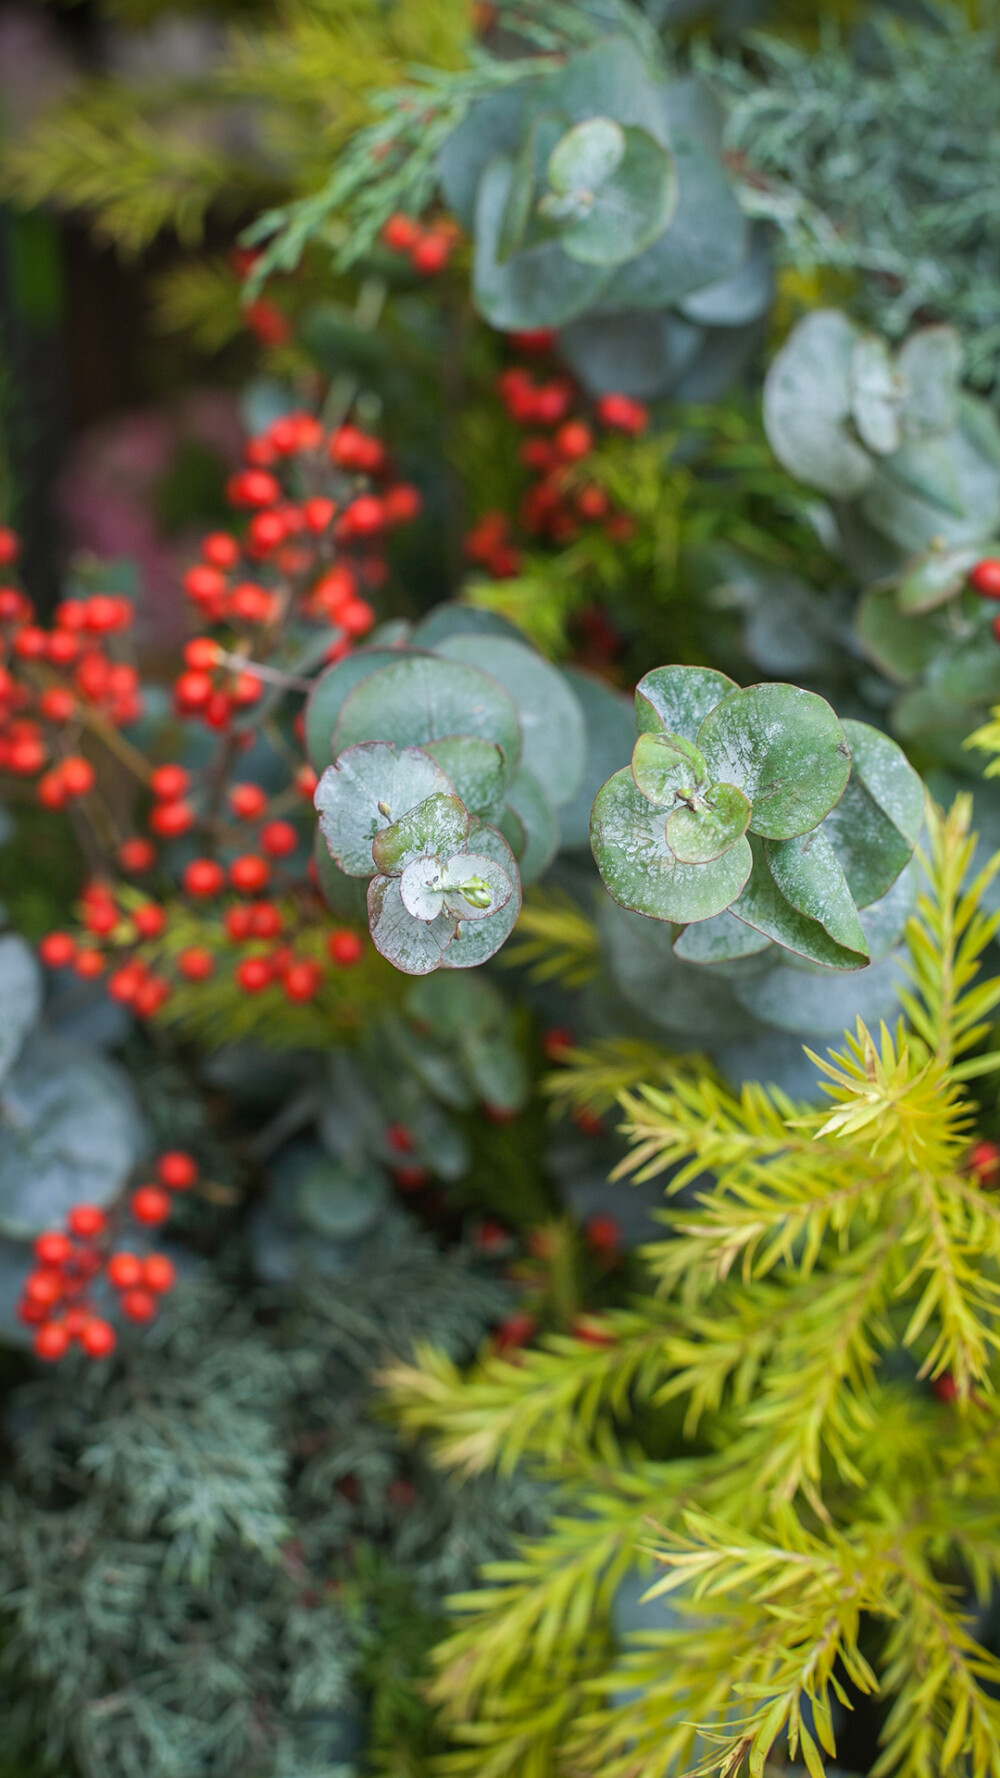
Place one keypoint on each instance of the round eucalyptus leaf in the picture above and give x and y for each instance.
(628, 210)
(705, 242)
(936, 576)
(421, 888)
(816, 1003)
(452, 618)
(744, 295)
(877, 822)
(539, 827)
(785, 749)
(477, 769)
(723, 939)
(678, 699)
(641, 872)
(328, 694)
(930, 367)
(808, 874)
(900, 646)
(690, 1004)
(875, 395)
(455, 1008)
(765, 908)
(413, 946)
(807, 406)
(701, 831)
(884, 921)
(370, 786)
(477, 940)
(439, 824)
(426, 699)
(70, 1133)
(476, 886)
(553, 735)
(345, 896)
(538, 287)
(493, 126)
(665, 767)
(586, 155)
(20, 997)
(498, 1069)
(341, 1203)
(610, 725)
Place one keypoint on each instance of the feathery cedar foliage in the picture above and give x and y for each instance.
(793, 1435)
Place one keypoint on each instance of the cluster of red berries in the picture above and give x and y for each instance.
(56, 1297)
(57, 683)
(557, 504)
(429, 248)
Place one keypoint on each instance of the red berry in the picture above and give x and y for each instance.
(50, 791)
(517, 1330)
(249, 874)
(247, 689)
(401, 232)
(623, 414)
(139, 1305)
(53, 1249)
(177, 1170)
(87, 1221)
(945, 1388)
(300, 981)
(98, 1337)
(363, 518)
(251, 604)
(167, 783)
(238, 923)
(591, 1331)
(196, 964)
(306, 781)
(192, 691)
(278, 839)
(88, 964)
(202, 654)
(401, 503)
(985, 577)
(247, 801)
(125, 1270)
(345, 948)
(588, 1122)
(170, 820)
(534, 340)
(57, 704)
(431, 254)
(592, 502)
(77, 775)
(74, 1321)
(43, 1288)
(264, 920)
(203, 877)
(158, 1273)
(603, 1234)
(985, 1161)
(318, 513)
(26, 755)
(357, 617)
(410, 1178)
(136, 856)
(10, 546)
(31, 643)
(221, 549)
(265, 532)
(350, 448)
(253, 487)
(253, 974)
(150, 1205)
(149, 919)
(124, 983)
(491, 1237)
(399, 1137)
(574, 440)
(57, 950)
(51, 1342)
(556, 1042)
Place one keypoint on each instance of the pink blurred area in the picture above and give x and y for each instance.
(110, 498)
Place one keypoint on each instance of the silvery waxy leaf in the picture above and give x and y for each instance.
(20, 997)
(809, 875)
(875, 395)
(331, 688)
(553, 736)
(877, 822)
(609, 724)
(467, 886)
(723, 939)
(699, 831)
(586, 156)
(414, 946)
(440, 824)
(477, 769)
(677, 699)
(930, 369)
(369, 787)
(936, 576)
(424, 699)
(785, 749)
(477, 940)
(807, 406)
(540, 286)
(640, 871)
(666, 767)
(531, 819)
(625, 212)
(764, 906)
